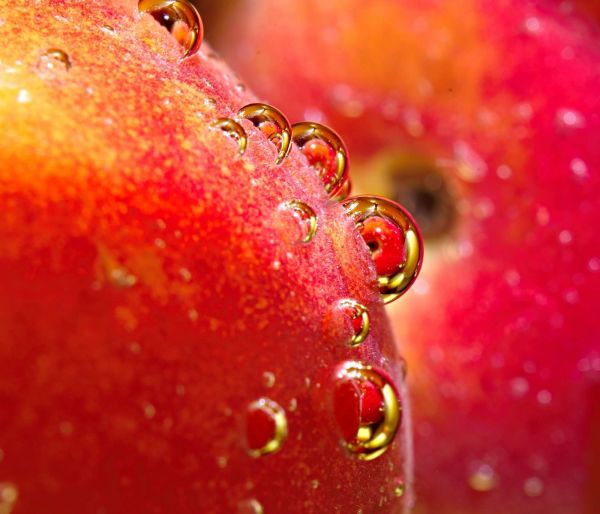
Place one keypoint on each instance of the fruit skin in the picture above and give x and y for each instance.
(499, 99)
(146, 287)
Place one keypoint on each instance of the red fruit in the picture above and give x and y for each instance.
(482, 118)
(164, 349)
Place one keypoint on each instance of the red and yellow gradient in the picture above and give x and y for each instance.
(148, 296)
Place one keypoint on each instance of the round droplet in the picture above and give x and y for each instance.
(266, 427)
(54, 59)
(359, 317)
(304, 217)
(234, 130)
(180, 18)
(483, 478)
(394, 240)
(9, 495)
(252, 506)
(399, 488)
(325, 151)
(272, 123)
(366, 409)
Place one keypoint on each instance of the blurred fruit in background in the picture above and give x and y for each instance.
(482, 118)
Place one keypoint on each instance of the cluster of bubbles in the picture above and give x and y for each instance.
(366, 404)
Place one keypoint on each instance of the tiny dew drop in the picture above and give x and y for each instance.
(303, 216)
(54, 59)
(399, 488)
(9, 494)
(180, 18)
(366, 409)
(326, 152)
(483, 478)
(272, 123)
(394, 240)
(266, 427)
(234, 130)
(359, 317)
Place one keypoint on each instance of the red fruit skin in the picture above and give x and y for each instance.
(147, 296)
(501, 333)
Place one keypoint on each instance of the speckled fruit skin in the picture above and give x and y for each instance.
(502, 333)
(146, 288)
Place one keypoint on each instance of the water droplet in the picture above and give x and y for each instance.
(544, 397)
(234, 130)
(304, 218)
(533, 486)
(240, 88)
(9, 494)
(366, 409)
(252, 506)
(394, 240)
(359, 317)
(399, 488)
(325, 151)
(53, 60)
(483, 478)
(266, 427)
(314, 484)
(268, 379)
(504, 172)
(149, 410)
(180, 18)
(108, 29)
(565, 237)
(271, 122)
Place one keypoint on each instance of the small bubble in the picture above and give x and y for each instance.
(234, 130)
(210, 102)
(544, 397)
(252, 506)
(483, 478)
(359, 319)
(519, 386)
(565, 237)
(579, 168)
(266, 427)
(23, 96)
(273, 123)
(569, 119)
(533, 25)
(120, 277)
(240, 88)
(504, 172)
(325, 152)
(149, 410)
(399, 488)
(304, 218)
(469, 165)
(53, 60)
(394, 240)
(9, 494)
(594, 264)
(185, 274)
(180, 18)
(314, 484)
(366, 409)
(533, 487)
(108, 29)
(268, 379)
(222, 462)
(345, 102)
(292, 406)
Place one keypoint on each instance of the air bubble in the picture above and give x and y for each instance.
(325, 152)
(54, 60)
(359, 318)
(366, 409)
(304, 217)
(394, 240)
(234, 130)
(483, 478)
(9, 494)
(272, 123)
(266, 427)
(252, 506)
(180, 18)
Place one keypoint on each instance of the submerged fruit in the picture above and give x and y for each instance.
(165, 349)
